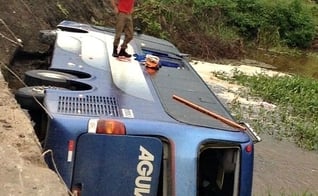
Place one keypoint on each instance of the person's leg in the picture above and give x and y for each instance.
(120, 24)
(129, 33)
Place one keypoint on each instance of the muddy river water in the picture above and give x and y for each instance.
(300, 64)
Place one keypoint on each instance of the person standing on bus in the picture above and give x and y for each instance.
(123, 10)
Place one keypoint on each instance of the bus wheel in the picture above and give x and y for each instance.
(47, 78)
(30, 97)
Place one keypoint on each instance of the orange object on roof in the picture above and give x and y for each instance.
(152, 61)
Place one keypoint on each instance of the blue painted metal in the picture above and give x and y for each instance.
(118, 172)
(143, 102)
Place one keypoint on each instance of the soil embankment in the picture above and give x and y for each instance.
(23, 171)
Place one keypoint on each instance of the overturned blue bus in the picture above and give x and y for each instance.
(121, 127)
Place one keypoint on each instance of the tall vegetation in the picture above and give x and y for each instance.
(209, 28)
(290, 22)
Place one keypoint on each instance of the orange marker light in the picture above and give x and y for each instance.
(110, 127)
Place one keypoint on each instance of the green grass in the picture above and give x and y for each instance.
(296, 114)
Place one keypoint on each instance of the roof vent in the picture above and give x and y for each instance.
(88, 105)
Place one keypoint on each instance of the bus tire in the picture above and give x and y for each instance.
(47, 78)
(26, 96)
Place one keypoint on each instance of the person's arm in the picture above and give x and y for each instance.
(114, 4)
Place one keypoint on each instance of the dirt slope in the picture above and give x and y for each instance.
(277, 168)
(23, 171)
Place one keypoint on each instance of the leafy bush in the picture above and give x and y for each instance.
(264, 22)
(195, 28)
(294, 21)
